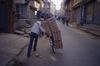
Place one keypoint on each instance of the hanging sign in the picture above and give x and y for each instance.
(19, 1)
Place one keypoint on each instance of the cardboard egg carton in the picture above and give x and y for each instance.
(57, 35)
(46, 27)
(58, 44)
(51, 27)
(57, 39)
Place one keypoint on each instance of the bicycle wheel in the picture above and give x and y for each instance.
(51, 43)
(54, 49)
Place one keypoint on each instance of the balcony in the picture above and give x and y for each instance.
(76, 2)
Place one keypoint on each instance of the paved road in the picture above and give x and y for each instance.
(79, 49)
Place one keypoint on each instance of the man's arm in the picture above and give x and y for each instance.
(42, 29)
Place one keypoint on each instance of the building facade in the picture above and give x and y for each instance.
(6, 24)
(24, 9)
(92, 12)
(62, 9)
(52, 8)
(48, 8)
(83, 11)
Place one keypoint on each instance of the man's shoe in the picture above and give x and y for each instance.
(34, 49)
(28, 54)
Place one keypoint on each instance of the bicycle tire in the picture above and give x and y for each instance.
(53, 48)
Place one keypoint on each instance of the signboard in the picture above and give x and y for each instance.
(83, 16)
(19, 1)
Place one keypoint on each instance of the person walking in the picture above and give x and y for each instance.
(67, 20)
(36, 30)
(63, 19)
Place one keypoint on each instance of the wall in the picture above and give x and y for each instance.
(9, 16)
(3, 21)
(61, 9)
(97, 13)
(22, 24)
(14, 6)
(37, 5)
(71, 16)
(71, 11)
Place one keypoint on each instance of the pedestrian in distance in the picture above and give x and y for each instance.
(36, 30)
(67, 20)
(63, 20)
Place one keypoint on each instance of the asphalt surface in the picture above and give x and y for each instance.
(79, 49)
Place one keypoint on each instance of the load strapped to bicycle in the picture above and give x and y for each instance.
(55, 35)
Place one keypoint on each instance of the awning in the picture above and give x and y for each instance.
(89, 1)
(33, 8)
(76, 6)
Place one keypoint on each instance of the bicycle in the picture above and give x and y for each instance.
(52, 44)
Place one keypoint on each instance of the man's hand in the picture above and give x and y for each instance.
(47, 34)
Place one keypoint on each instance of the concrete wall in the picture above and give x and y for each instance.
(23, 23)
(20, 24)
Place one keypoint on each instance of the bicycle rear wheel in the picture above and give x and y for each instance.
(54, 49)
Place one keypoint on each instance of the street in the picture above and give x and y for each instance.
(78, 42)
(79, 49)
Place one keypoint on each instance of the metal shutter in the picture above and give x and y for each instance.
(23, 10)
(32, 14)
(78, 15)
(89, 13)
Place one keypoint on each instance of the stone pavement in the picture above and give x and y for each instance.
(93, 29)
(10, 46)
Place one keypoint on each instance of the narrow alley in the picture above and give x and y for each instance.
(79, 49)
(49, 33)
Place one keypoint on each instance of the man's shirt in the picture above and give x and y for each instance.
(37, 28)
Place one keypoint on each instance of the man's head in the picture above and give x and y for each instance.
(41, 19)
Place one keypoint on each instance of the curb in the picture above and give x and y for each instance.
(88, 31)
(14, 60)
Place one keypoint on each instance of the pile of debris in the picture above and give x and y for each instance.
(25, 32)
(23, 27)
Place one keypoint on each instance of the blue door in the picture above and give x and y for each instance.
(22, 9)
(3, 25)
